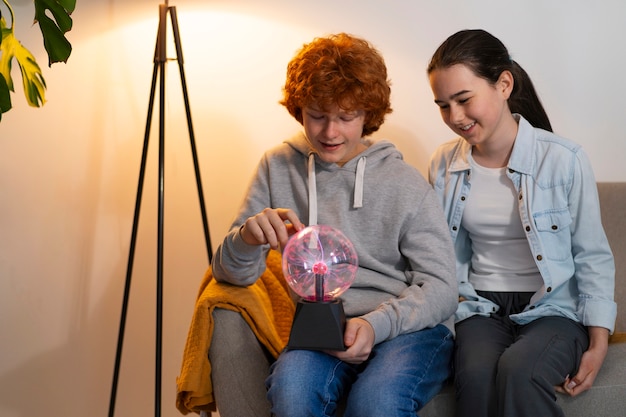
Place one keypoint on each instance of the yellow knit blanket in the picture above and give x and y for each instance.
(267, 308)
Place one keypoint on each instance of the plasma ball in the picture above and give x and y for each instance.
(319, 263)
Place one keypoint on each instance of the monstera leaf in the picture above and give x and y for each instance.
(53, 17)
(53, 31)
(32, 79)
(5, 98)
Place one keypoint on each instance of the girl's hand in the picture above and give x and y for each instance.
(590, 363)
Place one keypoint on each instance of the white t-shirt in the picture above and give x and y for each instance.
(501, 259)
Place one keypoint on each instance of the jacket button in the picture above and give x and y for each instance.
(555, 227)
(520, 196)
(511, 171)
(454, 228)
(462, 198)
(528, 228)
(549, 289)
(532, 307)
(539, 257)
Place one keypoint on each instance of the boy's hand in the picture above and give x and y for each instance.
(359, 339)
(271, 226)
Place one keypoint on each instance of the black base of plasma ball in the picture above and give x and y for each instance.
(318, 326)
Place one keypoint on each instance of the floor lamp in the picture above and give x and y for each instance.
(160, 60)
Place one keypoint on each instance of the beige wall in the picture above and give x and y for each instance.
(68, 171)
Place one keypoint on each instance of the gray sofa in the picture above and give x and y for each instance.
(240, 364)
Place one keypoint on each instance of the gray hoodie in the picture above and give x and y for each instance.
(406, 278)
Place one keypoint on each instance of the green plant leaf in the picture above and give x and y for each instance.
(53, 17)
(32, 78)
(53, 31)
(5, 98)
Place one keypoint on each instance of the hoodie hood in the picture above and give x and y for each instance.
(374, 154)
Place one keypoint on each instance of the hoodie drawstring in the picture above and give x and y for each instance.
(312, 191)
(358, 183)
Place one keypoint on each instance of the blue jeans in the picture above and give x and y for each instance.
(400, 377)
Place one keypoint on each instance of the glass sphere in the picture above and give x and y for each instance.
(319, 263)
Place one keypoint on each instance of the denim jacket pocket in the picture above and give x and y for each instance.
(554, 233)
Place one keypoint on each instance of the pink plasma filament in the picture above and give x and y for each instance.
(320, 268)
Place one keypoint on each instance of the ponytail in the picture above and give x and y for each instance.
(525, 101)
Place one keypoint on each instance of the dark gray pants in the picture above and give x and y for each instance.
(506, 370)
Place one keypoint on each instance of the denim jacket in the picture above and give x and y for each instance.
(559, 209)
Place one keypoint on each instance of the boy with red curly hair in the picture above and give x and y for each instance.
(400, 307)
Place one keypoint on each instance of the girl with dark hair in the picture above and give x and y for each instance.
(535, 271)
